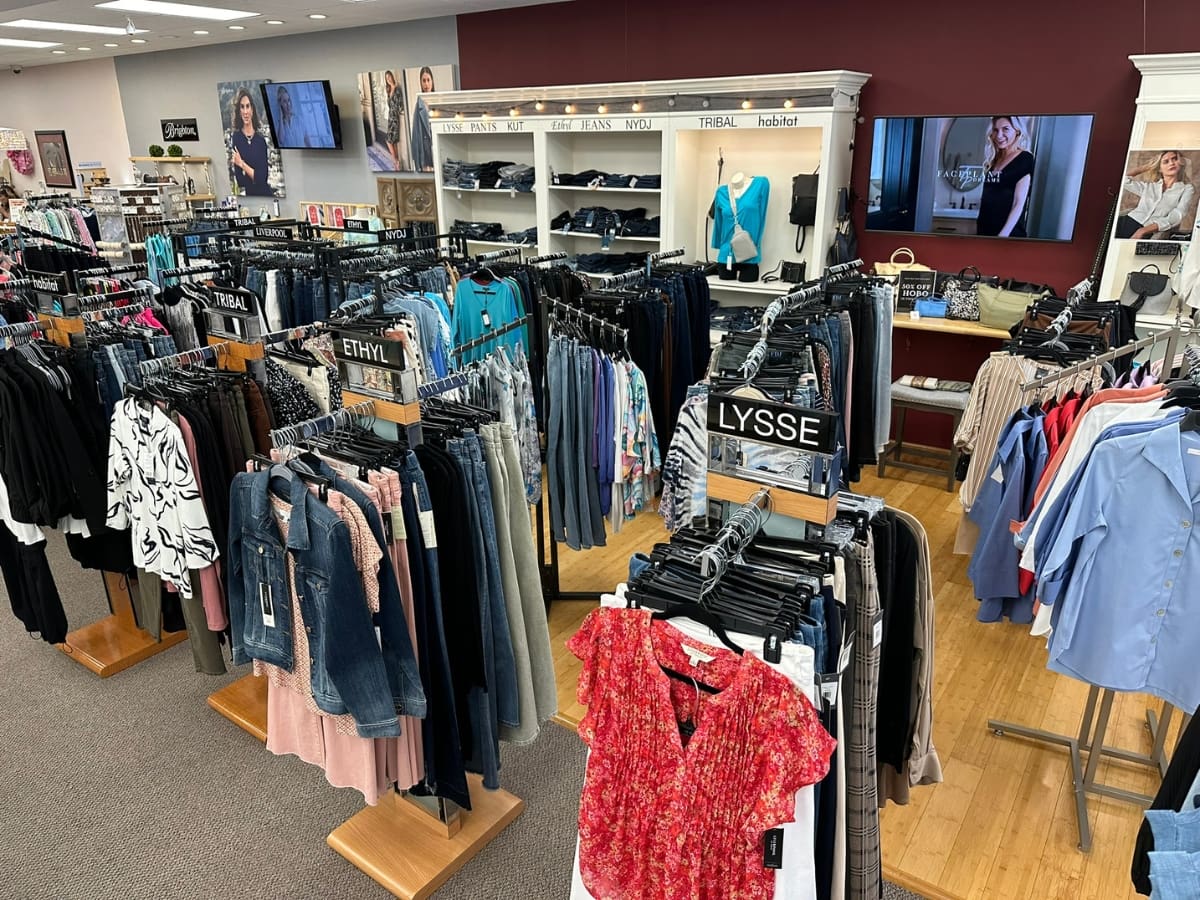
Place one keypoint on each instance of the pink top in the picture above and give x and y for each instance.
(212, 593)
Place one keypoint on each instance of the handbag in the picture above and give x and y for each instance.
(741, 245)
(844, 248)
(892, 267)
(931, 307)
(962, 295)
(1148, 292)
(1003, 307)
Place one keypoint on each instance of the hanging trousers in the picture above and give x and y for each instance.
(31, 589)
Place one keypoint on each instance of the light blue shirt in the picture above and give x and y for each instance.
(1130, 610)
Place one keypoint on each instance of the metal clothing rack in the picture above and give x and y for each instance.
(569, 312)
(24, 231)
(113, 312)
(1093, 728)
(549, 257)
(652, 258)
(208, 269)
(735, 536)
(288, 435)
(615, 282)
(162, 364)
(490, 336)
(498, 254)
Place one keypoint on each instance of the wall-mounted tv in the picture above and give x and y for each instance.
(1007, 176)
(303, 115)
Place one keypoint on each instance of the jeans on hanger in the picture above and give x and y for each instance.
(445, 772)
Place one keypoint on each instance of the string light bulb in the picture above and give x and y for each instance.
(602, 109)
(637, 106)
(458, 115)
(539, 106)
(435, 113)
(746, 104)
(514, 112)
(787, 104)
(706, 103)
(485, 115)
(568, 109)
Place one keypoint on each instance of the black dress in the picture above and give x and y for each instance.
(998, 190)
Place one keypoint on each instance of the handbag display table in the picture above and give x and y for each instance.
(949, 326)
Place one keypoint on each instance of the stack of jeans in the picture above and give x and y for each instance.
(479, 231)
(527, 237)
(609, 263)
(462, 174)
(517, 177)
(594, 178)
(642, 227)
(602, 220)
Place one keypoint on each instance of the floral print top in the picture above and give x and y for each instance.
(669, 817)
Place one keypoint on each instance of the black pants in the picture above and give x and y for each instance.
(31, 589)
(1126, 226)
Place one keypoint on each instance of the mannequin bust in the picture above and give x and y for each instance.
(738, 183)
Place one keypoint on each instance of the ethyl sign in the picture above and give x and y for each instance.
(180, 130)
(777, 424)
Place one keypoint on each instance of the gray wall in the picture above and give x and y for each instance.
(183, 84)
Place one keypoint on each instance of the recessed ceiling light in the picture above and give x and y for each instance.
(200, 32)
(33, 45)
(316, 15)
(66, 26)
(237, 27)
(138, 41)
(274, 21)
(84, 49)
(183, 10)
(58, 52)
(112, 45)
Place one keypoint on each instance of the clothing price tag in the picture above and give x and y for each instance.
(847, 652)
(913, 314)
(877, 630)
(379, 637)
(487, 320)
(772, 649)
(1192, 451)
(427, 530)
(388, 536)
(773, 849)
(399, 532)
(268, 604)
(829, 686)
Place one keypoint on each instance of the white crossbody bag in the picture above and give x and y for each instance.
(741, 245)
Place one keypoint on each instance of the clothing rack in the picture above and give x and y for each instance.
(652, 258)
(549, 257)
(212, 268)
(569, 311)
(1093, 728)
(24, 231)
(18, 329)
(352, 308)
(625, 279)
(38, 198)
(450, 382)
(113, 312)
(297, 333)
(490, 336)
(158, 365)
(732, 540)
(288, 435)
(498, 254)
(845, 268)
(106, 298)
(1170, 335)
(105, 272)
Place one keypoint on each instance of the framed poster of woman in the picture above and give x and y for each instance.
(55, 158)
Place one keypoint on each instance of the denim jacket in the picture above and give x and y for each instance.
(404, 677)
(348, 670)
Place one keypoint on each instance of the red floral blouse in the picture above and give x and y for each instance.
(668, 818)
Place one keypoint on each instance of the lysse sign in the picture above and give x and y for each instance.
(777, 424)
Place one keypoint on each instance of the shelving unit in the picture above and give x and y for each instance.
(515, 210)
(776, 126)
(207, 195)
(1167, 116)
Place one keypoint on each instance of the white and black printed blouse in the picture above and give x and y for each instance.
(152, 491)
(290, 400)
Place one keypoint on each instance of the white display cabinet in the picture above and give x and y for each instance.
(1167, 117)
(776, 126)
(515, 210)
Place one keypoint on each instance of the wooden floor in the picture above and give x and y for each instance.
(1002, 824)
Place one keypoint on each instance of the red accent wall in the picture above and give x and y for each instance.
(927, 58)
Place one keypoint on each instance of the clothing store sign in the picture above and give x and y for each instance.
(391, 235)
(368, 348)
(914, 286)
(359, 225)
(180, 130)
(48, 282)
(246, 222)
(273, 231)
(231, 301)
(777, 424)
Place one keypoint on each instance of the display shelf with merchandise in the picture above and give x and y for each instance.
(485, 203)
(775, 126)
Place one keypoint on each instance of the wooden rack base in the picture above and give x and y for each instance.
(388, 411)
(795, 504)
(244, 703)
(411, 853)
(115, 642)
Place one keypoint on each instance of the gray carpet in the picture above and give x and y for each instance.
(131, 787)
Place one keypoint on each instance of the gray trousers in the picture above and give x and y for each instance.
(206, 648)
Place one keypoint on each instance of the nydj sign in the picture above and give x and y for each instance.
(776, 424)
(180, 130)
(391, 235)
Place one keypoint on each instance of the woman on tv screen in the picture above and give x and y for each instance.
(1008, 173)
(249, 157)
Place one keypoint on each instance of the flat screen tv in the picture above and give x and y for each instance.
(302, 115)
(1006, 176)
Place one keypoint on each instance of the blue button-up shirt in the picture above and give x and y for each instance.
(1005, 497)
(1130, 610)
